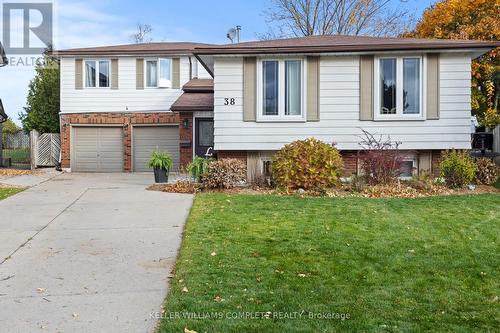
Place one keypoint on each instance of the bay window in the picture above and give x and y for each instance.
(398, 87)
(158, 73)
(280, 90)
(97, 73)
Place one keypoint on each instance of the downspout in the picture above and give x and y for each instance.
(190, 68)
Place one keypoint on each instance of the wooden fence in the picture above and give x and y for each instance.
(19, 140)
(496, 139)
(45, 149)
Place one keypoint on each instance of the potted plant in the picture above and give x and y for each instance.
(161, 162)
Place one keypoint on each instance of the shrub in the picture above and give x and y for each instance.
(198, 167)
(357, 183)
(160, 160)
(307, 164)
(380, 159)
(487, 171)
(457, 168)
(224, 173)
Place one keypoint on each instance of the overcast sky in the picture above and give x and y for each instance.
(108, 22)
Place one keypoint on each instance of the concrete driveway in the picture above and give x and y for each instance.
(87, 253)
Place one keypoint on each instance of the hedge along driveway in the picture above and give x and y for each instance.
(390, 264)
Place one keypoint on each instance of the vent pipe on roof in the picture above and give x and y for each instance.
(238, 33)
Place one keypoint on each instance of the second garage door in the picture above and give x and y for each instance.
(148, 138)
(97, 149)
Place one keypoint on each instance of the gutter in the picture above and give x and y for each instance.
(339, 48)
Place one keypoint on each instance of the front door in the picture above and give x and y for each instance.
(204, 135)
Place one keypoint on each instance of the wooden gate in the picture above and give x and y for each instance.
(46, 149)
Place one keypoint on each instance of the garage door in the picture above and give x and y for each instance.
(148, 138)
(97, 149)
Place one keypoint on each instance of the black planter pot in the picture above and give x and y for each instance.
(161, 175)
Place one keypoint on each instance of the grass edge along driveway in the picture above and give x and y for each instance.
(6, 192)
(397, 265)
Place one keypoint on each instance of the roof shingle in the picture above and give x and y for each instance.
(338, 43)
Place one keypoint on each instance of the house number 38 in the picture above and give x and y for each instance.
(229, 101)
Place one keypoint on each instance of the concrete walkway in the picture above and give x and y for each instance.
(29, 180)
(87, 253)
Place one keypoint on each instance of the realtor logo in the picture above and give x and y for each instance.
(27, 27)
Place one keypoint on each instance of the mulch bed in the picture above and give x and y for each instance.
(15, 172)
(398, 190)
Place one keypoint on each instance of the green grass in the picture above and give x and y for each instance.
(393, 265)
(7, 192)
(18, 155)
(497, 184)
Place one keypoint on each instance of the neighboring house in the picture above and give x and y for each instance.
(264, 95)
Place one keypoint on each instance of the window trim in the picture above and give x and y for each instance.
(281, 117)
(96, 63)
(157, 59)
(399, 88)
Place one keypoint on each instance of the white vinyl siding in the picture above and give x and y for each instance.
(125, 99)
(339, 110)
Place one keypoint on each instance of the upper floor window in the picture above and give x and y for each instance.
(280, 89)
(158, 73)
(97, 73)
(398, 87)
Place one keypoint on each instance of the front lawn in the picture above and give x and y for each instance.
(7, 192)
(393, 265)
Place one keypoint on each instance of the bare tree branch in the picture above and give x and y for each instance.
(143, 34)
(296, 18)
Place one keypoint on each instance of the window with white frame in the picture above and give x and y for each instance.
(398, 87)
(97, 73)
(158, 73)
(281, 89)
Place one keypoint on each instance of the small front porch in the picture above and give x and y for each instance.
(196, 120)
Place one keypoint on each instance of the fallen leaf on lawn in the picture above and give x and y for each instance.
(41, 290)
(213, 254)
(302, 275)
(218, 299)
(411, 251)
(189, 331)
(181, 280)
(185, 290)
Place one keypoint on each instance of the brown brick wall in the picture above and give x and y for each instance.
(239, 154)
(350, 159)
(435, 162)
(125, 119)
(186, 138)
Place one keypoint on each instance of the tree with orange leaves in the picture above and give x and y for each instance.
(470, 19)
